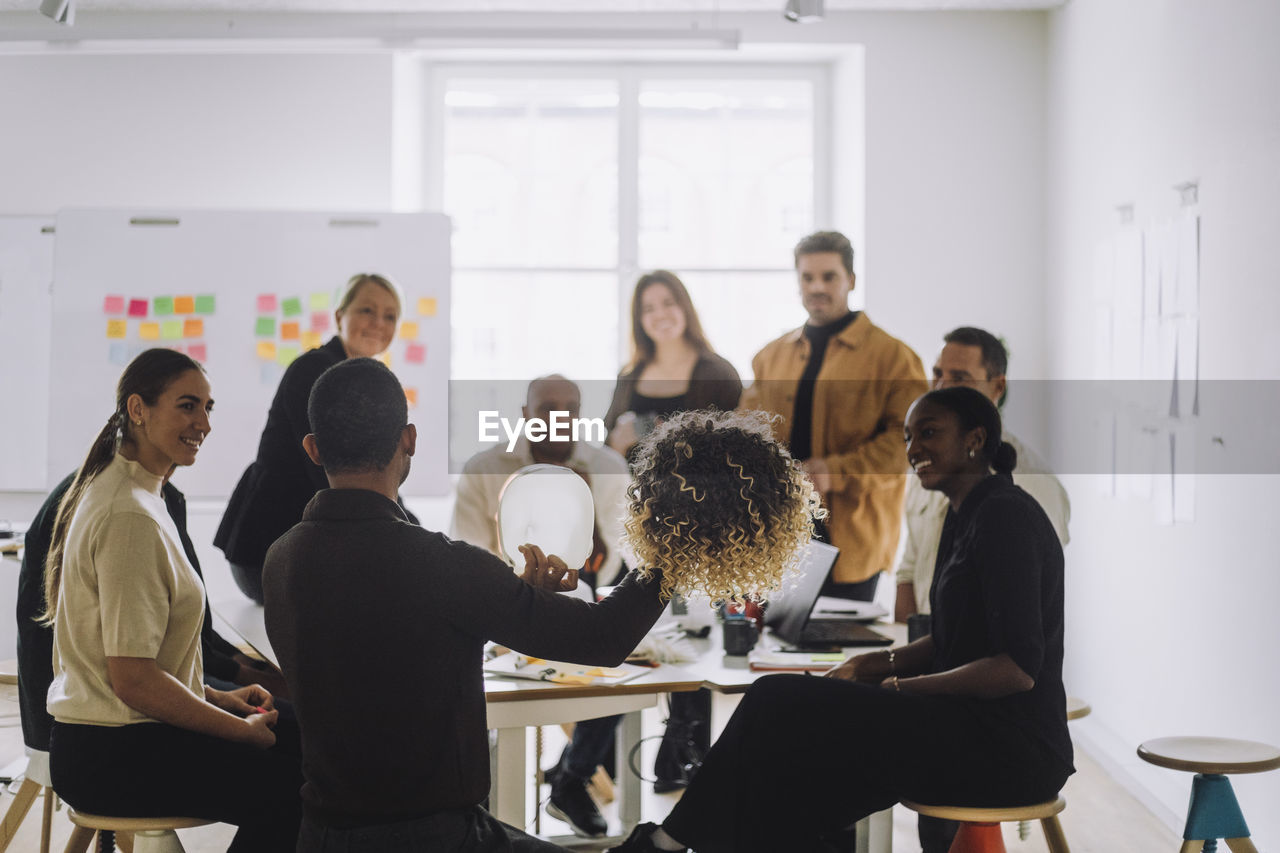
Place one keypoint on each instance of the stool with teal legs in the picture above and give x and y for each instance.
(1214, 812)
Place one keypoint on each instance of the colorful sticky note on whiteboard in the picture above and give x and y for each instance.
(385, 358)
(267, 350)
(118, 353)
(290, 331)
(291, 307)
(162, 306)
(149, 331)
(415, 354)
(320, 321)
(411, 396)
(408, 331)
(206, 303)
(199, 352)
(193, 327)
(266, 303)
(137, 307)
(171, 330)
(117, 328)
(265, 327)
(319, 302)
(427, 306)
(184, 305)
(113, 305)
(311, 340)
(285, 355)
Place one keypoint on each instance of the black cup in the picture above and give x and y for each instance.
(918, 625)
(739, 635)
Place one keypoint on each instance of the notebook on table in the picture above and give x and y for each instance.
(790, 613)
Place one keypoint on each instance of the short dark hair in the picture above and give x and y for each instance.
(827, 241)
(357, 411)
(994, 356)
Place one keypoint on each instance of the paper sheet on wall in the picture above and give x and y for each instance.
(1187, 301)
(1126, 334)
(1162, 480)
(1184, 478)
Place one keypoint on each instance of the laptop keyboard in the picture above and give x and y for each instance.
(833, 631)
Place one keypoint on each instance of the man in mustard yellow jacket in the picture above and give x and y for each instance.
(841, 387)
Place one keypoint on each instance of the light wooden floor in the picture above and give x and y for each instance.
(1101, 817)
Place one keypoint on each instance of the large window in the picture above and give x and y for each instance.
(565, 185)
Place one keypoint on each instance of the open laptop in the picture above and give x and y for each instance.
(790, 613)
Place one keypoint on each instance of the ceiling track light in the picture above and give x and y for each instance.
(60, 11)
(804, 11)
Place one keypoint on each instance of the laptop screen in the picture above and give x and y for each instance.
(789, 608)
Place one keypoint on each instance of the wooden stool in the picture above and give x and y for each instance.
(980, 827)
(1213, 812)
(134, 834)
(35, 783)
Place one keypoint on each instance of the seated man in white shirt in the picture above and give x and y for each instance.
(976, 358)
(475, 521)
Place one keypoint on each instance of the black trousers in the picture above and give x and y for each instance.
(157, 770)
(471, 830)
(805, 757)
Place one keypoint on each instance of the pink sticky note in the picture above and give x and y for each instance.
(415, 353)
(320, 321)
(113, 305)
(137, 307)
(198, 352)
(266, 303)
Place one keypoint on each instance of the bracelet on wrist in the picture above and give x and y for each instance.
(893, 668)
(897, 688)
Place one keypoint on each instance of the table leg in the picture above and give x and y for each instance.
(875, 833)
(628, 786)
(507, 788)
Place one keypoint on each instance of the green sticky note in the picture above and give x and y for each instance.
(319, 302)
(265, 327)
(206, 304)
(291, 307)
(171, 330)
(833, 657)
(285, 355)
(162, 305)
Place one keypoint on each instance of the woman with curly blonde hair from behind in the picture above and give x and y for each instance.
(718, 506)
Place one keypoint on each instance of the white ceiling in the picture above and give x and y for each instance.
(594, 6)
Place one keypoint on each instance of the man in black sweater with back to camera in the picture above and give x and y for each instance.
(379, 626)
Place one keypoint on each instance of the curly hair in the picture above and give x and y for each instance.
(718, 506)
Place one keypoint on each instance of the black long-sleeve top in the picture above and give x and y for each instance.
(380, 625)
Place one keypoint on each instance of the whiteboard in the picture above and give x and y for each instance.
(26, 270)
(243, 292)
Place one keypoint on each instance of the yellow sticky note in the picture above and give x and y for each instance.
(411, 396)
(408, 331)
(427, 306)
(267, 350)
(319, 302)
(193, 328)
(149, 331)
(184, 305)
(286, 354)
(117, 328)
(385, 358)
(311, 340)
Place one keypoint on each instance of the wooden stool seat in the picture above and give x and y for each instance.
(1039, 811)
(980, 827)
(1077, 708)
(1214, 811)
(134, 824)
(1212, 755)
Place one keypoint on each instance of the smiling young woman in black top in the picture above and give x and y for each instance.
(974, 714)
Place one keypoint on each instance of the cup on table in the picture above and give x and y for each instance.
(740, 634)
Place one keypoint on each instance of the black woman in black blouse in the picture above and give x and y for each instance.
(972, 715)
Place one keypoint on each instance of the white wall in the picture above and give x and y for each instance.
(1172, 629)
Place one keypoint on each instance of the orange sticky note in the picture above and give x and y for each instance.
(311, 340)
(184, 305)
(411, 395)
(408, 331)
(117, 328)
(427, 306)
(290, 331)
(267, 350)
(193, 328)
(149, 331)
